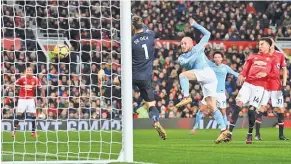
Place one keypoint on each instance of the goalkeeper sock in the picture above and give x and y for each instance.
(33, 124)
(281, 123)
(184, 85)
(199, 115)
(155, 113)
(219, 119)
(252, 120)
(234, 117)
(16, 121)
(258, 122)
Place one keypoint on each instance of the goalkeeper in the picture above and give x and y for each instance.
(143, 52)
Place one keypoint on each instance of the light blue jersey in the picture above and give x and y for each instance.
(196, 58)
(221, 71)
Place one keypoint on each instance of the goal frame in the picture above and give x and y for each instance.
(126, 153)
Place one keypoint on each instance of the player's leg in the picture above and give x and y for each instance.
(259, 113)
(211, 103)
(254, 102)
(21, 107)
(209, 92)
(278, 103)
(221, 104)
(31, 115)
(147, 93)
(242, 98)
(202, 108)
(184, 78)
(259, 119)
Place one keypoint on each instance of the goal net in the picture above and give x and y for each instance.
(81, 116)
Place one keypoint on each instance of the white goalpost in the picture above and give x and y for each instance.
(80, 119)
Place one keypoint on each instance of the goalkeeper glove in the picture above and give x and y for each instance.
(51, 55)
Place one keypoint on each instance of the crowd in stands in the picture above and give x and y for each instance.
(73, 90)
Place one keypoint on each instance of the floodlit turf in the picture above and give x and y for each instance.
(180, 147)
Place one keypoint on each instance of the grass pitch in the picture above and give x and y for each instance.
(180, 147)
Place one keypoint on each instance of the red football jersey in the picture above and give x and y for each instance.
(27, 86)
(257, 63)
(274, 84)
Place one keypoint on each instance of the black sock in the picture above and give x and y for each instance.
(33, 123)
(16, 121)
(234, 117)
(154, 113)
(258, 127)
(281, 123)
(258, 122)
(252, 120)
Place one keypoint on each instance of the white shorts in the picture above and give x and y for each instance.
(276, 98)
(250, 94)
(27, 105)
(221, 100)
(207, 79)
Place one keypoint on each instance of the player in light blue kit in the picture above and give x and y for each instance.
(221, 70)
(195, 61)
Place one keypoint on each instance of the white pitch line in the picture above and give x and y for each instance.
(92, 160)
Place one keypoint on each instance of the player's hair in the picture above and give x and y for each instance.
(218, 52)
(268, 40)
(137, 22)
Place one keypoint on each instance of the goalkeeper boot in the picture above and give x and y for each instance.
(222, 136)
(185, 101)
(283, 138)
(33, 134)
(160, 130)
(249, 139)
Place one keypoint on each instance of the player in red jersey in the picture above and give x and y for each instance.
(255, 73)
(26, 101)
(273, 91)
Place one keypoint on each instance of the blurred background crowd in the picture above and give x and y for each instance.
(71, 85)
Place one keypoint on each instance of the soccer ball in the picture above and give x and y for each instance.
(61, 50)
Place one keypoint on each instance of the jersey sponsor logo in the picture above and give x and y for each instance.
(260, 63)
(278, 65)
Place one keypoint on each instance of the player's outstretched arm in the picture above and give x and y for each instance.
(205, 32)
(231, 71)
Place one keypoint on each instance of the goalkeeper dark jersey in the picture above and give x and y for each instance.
(143, 52)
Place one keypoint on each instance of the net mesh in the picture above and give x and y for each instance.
(80, 116)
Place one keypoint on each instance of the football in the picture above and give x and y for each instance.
(61, 50)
